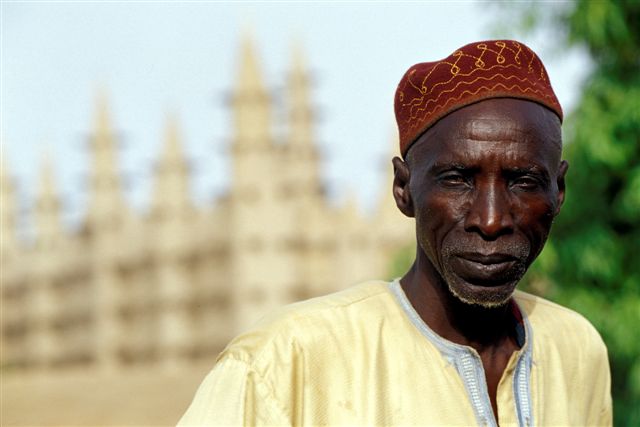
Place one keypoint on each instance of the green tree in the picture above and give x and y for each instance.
(592, 261)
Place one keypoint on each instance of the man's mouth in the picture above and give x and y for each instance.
(485, 269)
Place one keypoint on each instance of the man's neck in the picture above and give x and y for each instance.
(483, 329)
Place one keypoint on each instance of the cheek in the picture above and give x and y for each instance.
(435, 218)
(534, 216)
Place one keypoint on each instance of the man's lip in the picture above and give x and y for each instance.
(487, 259)
(485, 270)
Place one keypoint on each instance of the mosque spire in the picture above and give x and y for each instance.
(47, 208)
(249, 78)
(106, 198)
(250, 100)
(172, 174)
(8, 211)
(303, 165)
(300, 114)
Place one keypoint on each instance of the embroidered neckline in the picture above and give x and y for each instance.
(469, 365)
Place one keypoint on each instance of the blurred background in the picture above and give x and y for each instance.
(172, 171)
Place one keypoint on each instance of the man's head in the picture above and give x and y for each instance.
(484, 183)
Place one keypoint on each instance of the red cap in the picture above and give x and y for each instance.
(489, 69)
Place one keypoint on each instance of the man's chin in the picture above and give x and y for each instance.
(493, 296)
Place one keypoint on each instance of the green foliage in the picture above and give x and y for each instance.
(402, 261)
(591, 263)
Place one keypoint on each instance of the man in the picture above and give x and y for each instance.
(451, 342)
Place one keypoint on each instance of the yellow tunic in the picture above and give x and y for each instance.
(364, 357)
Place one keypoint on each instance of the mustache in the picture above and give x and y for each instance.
(518, 250)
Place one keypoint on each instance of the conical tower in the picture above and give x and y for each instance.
(47, 209)
(261, 275)
(251, 103)
(107, 206)
(105, 219)
(172, 211)
(9, 245)
(45, 265)
(302, 195)
(171, 199)
(303, 159)
(13, 271)
(300, 114)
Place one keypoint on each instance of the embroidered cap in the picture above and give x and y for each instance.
(489, 69)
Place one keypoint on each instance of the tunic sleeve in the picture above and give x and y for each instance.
(233, 395)
(593, 386)
(603, 379)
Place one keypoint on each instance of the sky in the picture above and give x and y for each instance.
(156, 60)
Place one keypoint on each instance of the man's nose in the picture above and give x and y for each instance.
(490, 212)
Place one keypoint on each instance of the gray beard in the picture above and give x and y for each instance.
(490, 296)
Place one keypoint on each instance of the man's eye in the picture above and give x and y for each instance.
(526, 183)
(453, 180)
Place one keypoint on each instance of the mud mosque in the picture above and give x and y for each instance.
(174, 284)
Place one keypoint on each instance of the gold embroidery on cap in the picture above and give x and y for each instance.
(419, 99)
(499, 57)
(417, 105)
(468, 92)
(414, 113)
(454, 67)
(479, 62)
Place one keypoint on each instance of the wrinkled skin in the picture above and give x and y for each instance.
(484, 185)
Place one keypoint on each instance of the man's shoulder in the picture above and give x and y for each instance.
(356, 297)
(553, 323)
(296, 324)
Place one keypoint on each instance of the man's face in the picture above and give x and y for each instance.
(485, 184)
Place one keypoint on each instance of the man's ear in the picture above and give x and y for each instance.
(401, 192)
(562, 171)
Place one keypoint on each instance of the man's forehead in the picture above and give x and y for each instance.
(501, 117)
(471, 154)
(509, 128)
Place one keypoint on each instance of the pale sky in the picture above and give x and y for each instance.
(156, 59)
